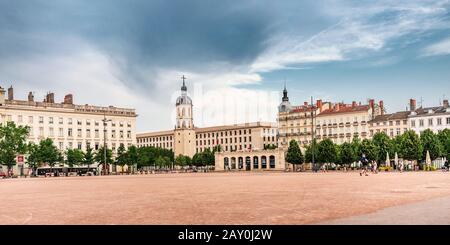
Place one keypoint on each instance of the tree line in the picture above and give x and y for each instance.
(408, 146)
(13, 140)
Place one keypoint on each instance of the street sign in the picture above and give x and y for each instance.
(20, 160)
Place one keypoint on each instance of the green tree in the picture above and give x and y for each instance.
(88, 157)
(182, 161)
(383, 146)
(100, 157)
(163, 161)
(347, 153)
(431, 143)
(49, 154)
(369, 149)
(356, 144)
(410, 146)
(294, 155)
(12, 142)
(122, 157)
(34, 158)
(197, 159)
(132, 157)
(444, 138)
(326, 151)
(74, 157)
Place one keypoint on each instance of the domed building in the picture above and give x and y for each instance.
(285, 105)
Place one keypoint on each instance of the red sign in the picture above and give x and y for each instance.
(20, 159)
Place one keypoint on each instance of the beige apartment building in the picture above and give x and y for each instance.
(296, 122)
(186, 139)
(67, 124)
(343, 122)
(339, 122)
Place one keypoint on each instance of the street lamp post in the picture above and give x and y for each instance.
(312, 135)
(105, 121)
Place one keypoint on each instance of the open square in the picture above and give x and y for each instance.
(225, 198)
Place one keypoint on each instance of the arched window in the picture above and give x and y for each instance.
(184, 124)
(241, 162)
(263, 162)
(272, 161)
(226, 163)
(182, 112)
(233, 163)
(248, 162)
(255, 163)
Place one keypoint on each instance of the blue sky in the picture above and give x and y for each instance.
(236, 54)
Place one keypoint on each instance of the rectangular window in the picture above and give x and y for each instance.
(121, 134)
(439, 121)
(413, 123)
(50, 120)
(41, 132)
(19, 119)
(30, 131)
(61, 132)
(97, 134)
(430, 122)
(79, 132)
(113, 133)
(61, 120)
(50, 132)
(79, 122)
(41, 119)
(79, 145)
(448, 120)
(421, 122)
(30, 119)
(69, 132)
(129, 134)
(69, 121)
(88, 133)
(61, 145)
(88, 122)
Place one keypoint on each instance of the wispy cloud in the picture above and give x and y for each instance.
(361, 29)
(440, 48)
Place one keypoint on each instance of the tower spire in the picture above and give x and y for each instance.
(183, 88)
(285, 93)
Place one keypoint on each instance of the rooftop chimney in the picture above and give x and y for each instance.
(319, 105)
(445, 103)
(337, 106)
(372, 104)
(10, 93)
(68, 99)
(30, 97)
(50, 98)
(354, 104)
(412, 104)
(381, 107)
(305, 103)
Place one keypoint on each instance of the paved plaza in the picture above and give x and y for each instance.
(229, 198)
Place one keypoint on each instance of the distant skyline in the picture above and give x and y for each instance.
(235, 55)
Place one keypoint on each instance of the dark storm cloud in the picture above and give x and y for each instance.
(184, 34)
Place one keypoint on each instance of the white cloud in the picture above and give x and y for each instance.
(360, 30)
(440, 48)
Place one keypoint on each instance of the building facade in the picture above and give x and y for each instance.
(296, 122)
(250, 161)
(70, 125)
(186, 139)
(339, 122)
(434, 118)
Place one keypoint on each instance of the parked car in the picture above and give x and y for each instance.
(2, 174)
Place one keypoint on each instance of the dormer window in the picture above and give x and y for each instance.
(430, 111)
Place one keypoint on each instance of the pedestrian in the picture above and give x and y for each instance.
(401, 166)
(364, 163)
(446, 165)
(375, 167)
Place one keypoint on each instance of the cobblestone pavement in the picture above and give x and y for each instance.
(222, 198)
